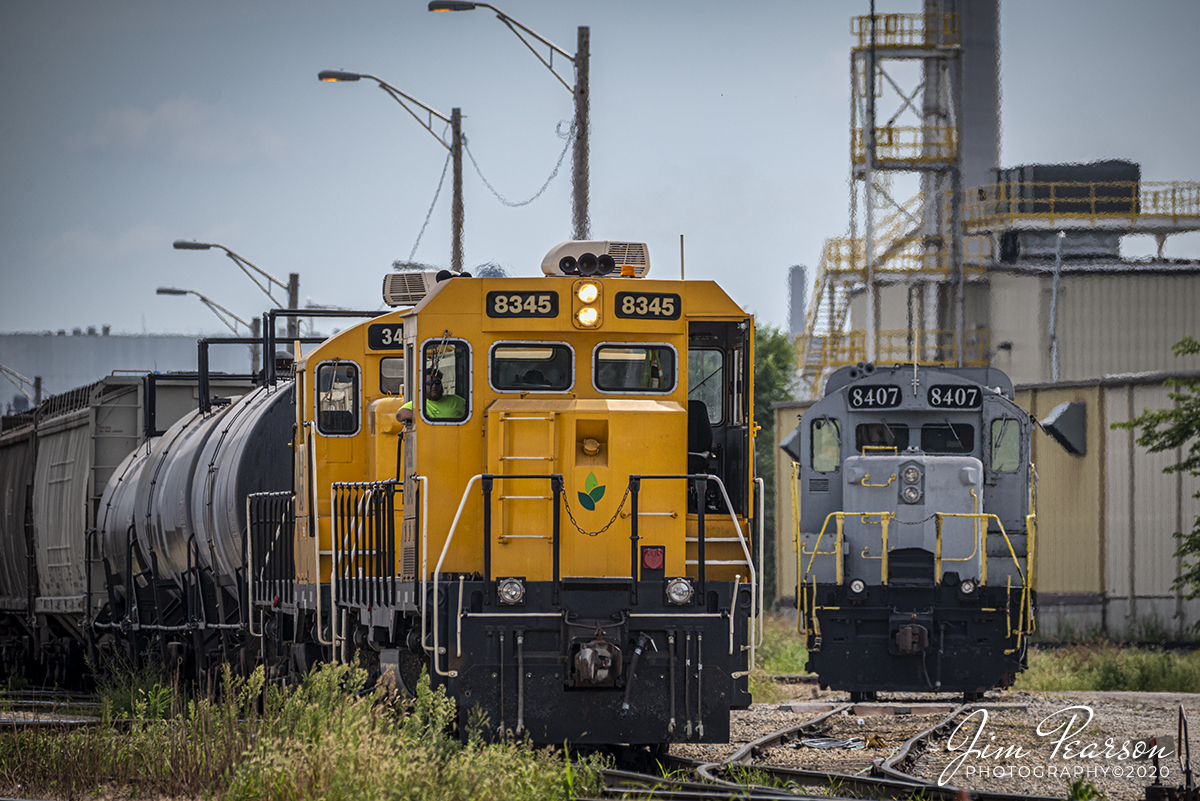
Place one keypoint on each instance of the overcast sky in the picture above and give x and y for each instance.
(127, 124)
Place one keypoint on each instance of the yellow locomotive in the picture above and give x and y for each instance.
(539, 490)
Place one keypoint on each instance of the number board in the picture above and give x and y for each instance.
(881, 396)
(522, 304)
(385, 336)
(648, 305)
(954, 396)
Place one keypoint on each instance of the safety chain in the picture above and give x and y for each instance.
(607, 525)
(569, 136)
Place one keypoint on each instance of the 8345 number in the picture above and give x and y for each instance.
(522, 304)
(648, 305)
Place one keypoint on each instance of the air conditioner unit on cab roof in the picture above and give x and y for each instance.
(408, 288)
(634, 254)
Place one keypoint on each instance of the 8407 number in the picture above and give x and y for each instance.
(884, 396)
(648, 305)
(954, 396)
(522, 304)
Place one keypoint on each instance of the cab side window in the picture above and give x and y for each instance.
(826, 445)
(1006, 445)
(706, 381)
(445, 395)
(337, 398)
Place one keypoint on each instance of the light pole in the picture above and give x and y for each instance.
(223, 314)
(292, 286)
(454, 146)
(579, 160)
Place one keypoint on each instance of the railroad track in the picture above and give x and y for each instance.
(749, 773)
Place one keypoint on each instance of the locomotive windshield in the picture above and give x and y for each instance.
(880, 435)
(532, 367)
(642, 368)
(947, 438)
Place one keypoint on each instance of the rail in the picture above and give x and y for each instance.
(998, 204)
(913, 144)
(907, 30)
(932, 347)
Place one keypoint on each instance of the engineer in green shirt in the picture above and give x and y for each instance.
(438, 405)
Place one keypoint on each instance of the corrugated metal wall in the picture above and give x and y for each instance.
(1126, 323)
(1070, 506)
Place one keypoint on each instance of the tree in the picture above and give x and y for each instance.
(774, 377)
(1171, 429)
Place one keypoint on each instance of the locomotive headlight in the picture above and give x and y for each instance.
(911, 475)
(679, 591)
(511, 591)
(911, 494)
(588, 316)
(587, 303)
(967, 587)
(858, 586)
(588, 293)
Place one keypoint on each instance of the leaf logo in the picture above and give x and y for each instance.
(594, 492)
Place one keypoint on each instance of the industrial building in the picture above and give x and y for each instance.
(60, 362)
(1018, 268)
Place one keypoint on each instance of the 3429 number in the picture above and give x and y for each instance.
(522, 304)
(385, 336)
(648, 305)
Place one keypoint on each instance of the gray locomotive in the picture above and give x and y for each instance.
(917, 530)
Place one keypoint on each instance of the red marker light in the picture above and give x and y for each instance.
(653, 558)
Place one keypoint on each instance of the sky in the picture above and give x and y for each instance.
(128, 124)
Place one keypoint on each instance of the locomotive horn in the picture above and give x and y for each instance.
(568, 265)
(589, 264)
(606, 264)
(868, 368)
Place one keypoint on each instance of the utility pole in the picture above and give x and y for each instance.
(579, 172)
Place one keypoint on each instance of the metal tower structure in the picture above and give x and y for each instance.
(905, 118)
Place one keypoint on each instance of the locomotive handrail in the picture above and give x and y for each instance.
(634, 481)
(314, 527)
(762, 539)
(436, 572)
(980, 517)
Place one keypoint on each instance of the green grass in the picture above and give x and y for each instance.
(325, 738)
(1109, 667)
(782, 652)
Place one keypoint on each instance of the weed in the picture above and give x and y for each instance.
(325, 738)
(1083, 791)
(1110, 667)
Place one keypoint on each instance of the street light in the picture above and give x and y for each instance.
(454, 146)
(579, 171)
(292, 286)
(217, 309)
